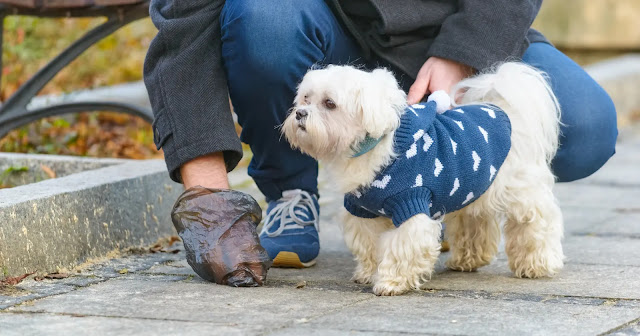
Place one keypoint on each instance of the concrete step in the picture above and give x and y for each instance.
(102, 206)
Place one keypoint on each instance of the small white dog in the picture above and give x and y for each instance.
(349, 119)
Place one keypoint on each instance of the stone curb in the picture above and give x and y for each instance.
(62, 222)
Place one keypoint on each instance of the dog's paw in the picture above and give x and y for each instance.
(469, 264)
(539, 264)
(390, 288)
(454, 266)
(399, 285)
(362, 277)
(364, 272)
(536, 271)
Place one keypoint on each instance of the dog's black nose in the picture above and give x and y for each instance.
(301, 114)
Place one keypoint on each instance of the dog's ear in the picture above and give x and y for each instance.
(381, 102)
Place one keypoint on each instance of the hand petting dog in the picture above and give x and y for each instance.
(437, 74)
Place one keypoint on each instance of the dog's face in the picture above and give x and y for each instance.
(338, 106)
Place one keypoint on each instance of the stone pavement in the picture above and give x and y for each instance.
(157, 294)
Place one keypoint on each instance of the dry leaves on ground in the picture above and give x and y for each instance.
(14, 280)
(52, 276)
(164, 245)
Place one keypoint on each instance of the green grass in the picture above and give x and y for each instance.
(8, 172)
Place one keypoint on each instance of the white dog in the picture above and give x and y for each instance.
(348, 119)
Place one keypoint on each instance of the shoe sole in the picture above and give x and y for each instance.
(290, 260)
(286, 259)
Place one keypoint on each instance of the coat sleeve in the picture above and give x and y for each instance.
(187, 85)
(482, 33)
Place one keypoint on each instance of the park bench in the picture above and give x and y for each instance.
(14, 112)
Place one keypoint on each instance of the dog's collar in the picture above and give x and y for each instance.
(365, 145)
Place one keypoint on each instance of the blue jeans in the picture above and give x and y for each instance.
(268, 46)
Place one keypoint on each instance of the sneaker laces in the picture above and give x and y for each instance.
(289, 210)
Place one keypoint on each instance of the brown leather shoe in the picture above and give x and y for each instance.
(218, 229)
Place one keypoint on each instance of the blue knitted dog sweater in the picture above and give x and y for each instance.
(444, 162)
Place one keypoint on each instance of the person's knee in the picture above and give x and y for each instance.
(588, 136)
(263, 33)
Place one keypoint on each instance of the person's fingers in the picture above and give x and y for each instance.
(418, 89)
(444, 80)
(442, 84)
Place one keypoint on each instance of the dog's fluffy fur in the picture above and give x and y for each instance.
(336, 107)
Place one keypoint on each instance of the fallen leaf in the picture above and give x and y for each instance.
(47, 170)
(56, 275)
(124, 271)
(173, 239)
(156, 248)
(14, 280)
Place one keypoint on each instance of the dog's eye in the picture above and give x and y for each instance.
(328, 103)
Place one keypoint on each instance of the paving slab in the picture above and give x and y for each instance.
(81, 325)
(337, 332)
(577, 196)
(603, 249)
(421, 314)
(164, 298)
(599, 281)
(31, 289)
(633, 329)
(331, 266)
(132, 263)
(623, 224)
(588, 220)
(11, 296)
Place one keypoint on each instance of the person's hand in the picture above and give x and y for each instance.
(437, 74)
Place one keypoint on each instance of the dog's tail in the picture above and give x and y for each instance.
(526, 96)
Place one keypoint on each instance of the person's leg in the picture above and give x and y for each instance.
(267, 47)
(589, 130)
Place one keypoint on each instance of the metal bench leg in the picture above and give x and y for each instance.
(14, 112)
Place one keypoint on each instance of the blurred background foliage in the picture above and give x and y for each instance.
(30, 42)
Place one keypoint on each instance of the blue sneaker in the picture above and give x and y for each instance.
(290, 230)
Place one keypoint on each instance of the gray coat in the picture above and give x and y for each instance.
(187, 85)
(478, 33)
